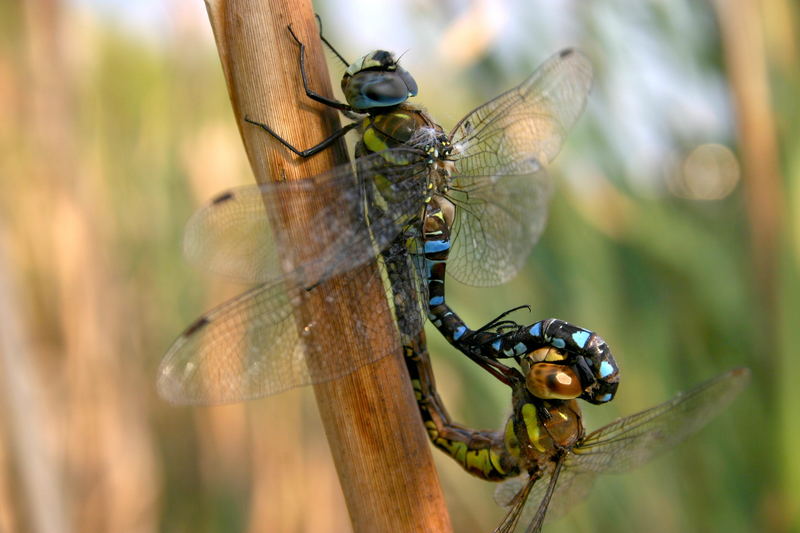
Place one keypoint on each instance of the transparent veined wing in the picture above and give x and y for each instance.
(497, 222)
(242, 233)
(632, 441)
(572, 486)
(525, 125)
(255, 345)
(622, 445)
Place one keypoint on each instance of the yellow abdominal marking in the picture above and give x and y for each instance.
(512, 444)
(532, 425)
(458, 450)
(495, 459)
(417, 389)
(479, 460)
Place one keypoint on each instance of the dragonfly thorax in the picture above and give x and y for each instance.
(541, 428)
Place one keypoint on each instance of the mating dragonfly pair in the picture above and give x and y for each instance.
(414, 195)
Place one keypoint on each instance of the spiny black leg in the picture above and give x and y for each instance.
(329, 45)
(497, 369)
(497, 320)
(542, 413)
(311, 94)
(310, 151)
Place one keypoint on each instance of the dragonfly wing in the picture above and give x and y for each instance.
(632, 441)
(498, 221)
(495, 146)
(225, 356)
(620, 446)
(571, 488)
(254, 345)
(243, 233)
(531, 120)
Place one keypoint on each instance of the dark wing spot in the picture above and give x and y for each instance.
(566, 52)
(197, 325)
(224, 197)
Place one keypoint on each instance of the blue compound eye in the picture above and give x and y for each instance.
(411, 84)
(372, 89)
(385, 89)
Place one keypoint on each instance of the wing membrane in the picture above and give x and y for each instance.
(497, 223)
(524, 126)
(243, 233)
(622, 445)
(254, 346)
(632, 441)
(571, 487)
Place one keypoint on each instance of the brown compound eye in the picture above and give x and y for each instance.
(553, 382)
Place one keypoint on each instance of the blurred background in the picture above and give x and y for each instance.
(674, 233)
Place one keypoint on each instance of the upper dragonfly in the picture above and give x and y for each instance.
(490, 166)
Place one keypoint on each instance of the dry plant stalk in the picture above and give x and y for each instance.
(379, 446)
(741, 29)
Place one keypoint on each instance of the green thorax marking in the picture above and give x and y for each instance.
(536, 440)
(395, 128)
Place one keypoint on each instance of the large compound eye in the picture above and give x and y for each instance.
(372, 89)
(386, 88)
(553, 382)
(411, 84)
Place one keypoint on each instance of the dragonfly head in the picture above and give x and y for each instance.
(550, 381)
(376, 81)
(553, 374)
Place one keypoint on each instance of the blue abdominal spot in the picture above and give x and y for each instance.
(432, 247)
(580, 338)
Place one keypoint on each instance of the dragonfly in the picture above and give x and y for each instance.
(490, 166)
(543, 459)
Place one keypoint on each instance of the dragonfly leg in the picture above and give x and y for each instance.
(310, 151)
(328, 44)
(312, 94)
(346, 109)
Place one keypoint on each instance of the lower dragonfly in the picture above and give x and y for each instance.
(542, 456)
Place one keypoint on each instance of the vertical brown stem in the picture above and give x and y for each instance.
(371, 420)
(746, 62)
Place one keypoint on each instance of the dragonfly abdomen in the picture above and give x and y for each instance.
(481, 453)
